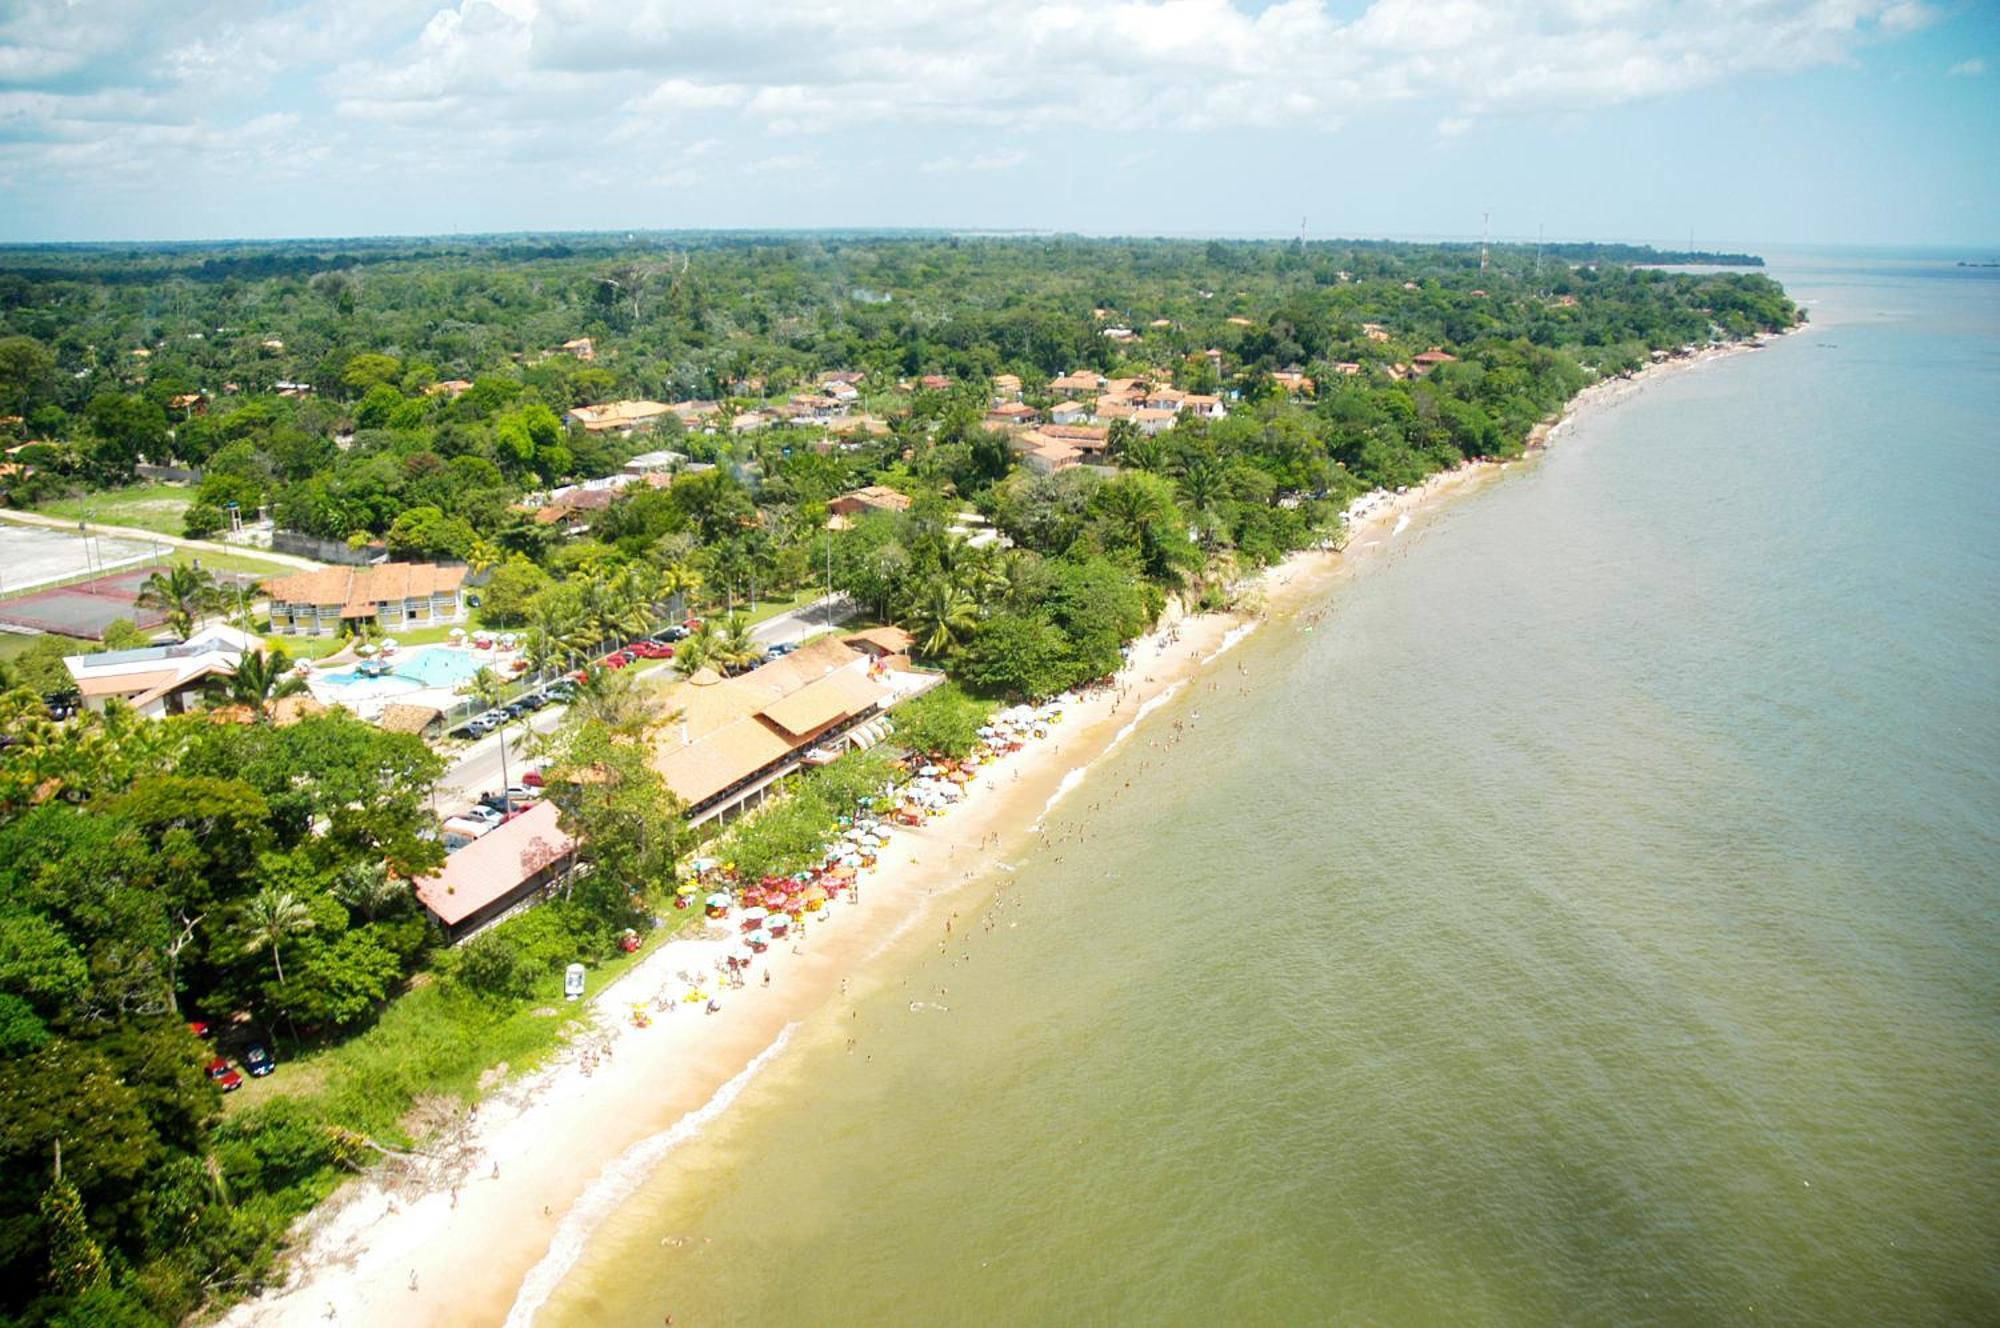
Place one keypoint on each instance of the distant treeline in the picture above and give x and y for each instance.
(259, 260)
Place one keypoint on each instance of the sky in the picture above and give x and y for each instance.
(1729, 121)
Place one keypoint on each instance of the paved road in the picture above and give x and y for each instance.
(478, 770)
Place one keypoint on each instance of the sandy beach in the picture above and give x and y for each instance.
(480, 1232)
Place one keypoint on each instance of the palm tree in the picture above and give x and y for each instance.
(979, 571)
(616, 699)
(182, 594)
(269, 917)
(679, 577)
(369, 889)
(942, 618)
(261, 680)
(540, 648)
(735, 647)
(698, 650)
(490, 689)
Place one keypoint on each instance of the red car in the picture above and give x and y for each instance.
(652, 650)
(615, 660)
(533, 779)
(226, 1078)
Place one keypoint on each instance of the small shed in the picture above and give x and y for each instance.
(427, 722)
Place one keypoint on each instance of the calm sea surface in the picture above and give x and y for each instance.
(1593, 920)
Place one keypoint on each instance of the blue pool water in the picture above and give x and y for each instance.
(432, 666)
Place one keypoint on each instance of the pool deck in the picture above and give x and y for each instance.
(366, 697)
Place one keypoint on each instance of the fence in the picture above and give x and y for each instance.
(302, 545)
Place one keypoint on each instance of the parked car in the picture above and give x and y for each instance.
(225, 1078)
(258, 1061)
(616, 660)
(783, 648)
(533, 779)
(652, 650)
(514, 795)
(198, 1028)
(482, 814)
(480, 726)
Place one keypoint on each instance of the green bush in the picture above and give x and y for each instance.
(943, 720)
(202, 520)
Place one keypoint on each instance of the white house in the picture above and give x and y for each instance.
(159, 680)
(654, 463)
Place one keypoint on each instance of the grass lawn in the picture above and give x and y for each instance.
(13, 643)
(434, 1039)
(768, 607)
(157, 507)
(247, 563)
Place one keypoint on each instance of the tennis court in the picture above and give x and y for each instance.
(85, 608)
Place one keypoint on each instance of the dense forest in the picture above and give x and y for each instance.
(415, 394)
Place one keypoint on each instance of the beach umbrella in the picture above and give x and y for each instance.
(759, 937)
(702, 865)
(719, 900)
(389, 643)
(816, 894)
(365, 648)
(457, 633)
(851, 860)
(756, 914)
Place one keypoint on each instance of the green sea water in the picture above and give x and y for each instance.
(1592, 920)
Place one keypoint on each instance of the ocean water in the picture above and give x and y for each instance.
(1592, 919)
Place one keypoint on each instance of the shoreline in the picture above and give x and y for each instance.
(483, 1228)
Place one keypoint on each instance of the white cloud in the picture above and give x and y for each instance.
(1972, 68)
(1907, 17)
(984, 161)
(679, 94)
(408, 85)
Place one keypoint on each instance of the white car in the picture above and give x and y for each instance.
(485, 815)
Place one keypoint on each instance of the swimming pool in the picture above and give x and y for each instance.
(424, 667)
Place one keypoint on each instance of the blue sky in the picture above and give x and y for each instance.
(1736, 121)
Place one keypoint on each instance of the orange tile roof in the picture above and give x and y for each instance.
(1082, 435)
(618, 414)
(357, 587)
